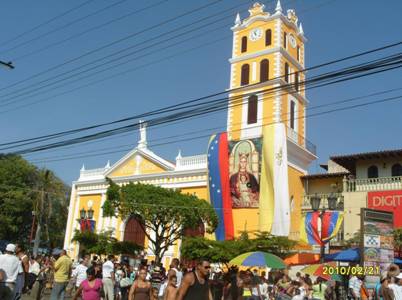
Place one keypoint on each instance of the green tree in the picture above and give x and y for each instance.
(103, 243)
(163, 212)
(224, 251)
(20, 190)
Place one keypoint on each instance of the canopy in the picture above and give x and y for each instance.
(345, 255)
(258, 259)
(321, 270)
(302, 259)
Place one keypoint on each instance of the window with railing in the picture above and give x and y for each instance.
(372, 172)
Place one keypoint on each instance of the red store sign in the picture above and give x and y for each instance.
(387, 201)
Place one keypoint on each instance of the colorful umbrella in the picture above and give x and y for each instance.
(326, 271)
(258, 259)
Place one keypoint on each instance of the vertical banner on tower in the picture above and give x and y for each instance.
(218, 185)
(377, 243)
(281, 223)
(244, 173)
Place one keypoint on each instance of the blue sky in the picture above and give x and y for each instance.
(334, 29)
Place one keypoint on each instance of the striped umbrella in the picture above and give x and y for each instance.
(258, 259)
(325, 271)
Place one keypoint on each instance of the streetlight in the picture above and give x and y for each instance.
(315, 202)
(85, 217)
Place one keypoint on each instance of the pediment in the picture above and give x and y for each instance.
(138, 162)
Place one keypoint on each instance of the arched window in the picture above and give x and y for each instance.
(245, 74)
(134, 231)
(252, 109)
(372, 172)
(285, 40)
(243, 44)
(297, 81)
(292, 114)
(286, 72)
(268, 37)
(396, 170)
(298, 53)
(264, 70)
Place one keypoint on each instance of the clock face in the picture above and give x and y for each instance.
(292, 41)
(255, 34)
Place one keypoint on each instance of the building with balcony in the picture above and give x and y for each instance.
(371, 180)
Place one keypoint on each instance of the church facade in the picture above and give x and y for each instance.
(266, 143)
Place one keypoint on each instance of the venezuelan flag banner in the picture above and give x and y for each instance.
(309, 228)
(331, 223)
(274, 211)
(218, 185)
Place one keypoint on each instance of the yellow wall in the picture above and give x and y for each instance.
(323, 185)
(296, 190)
(96, 206)
(292, 51)
(129, 167)
(200, 192)
(245, 219)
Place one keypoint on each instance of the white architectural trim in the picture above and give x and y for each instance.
(298, 168)
(266, 18)
(154, 176)
(257, 54)
(145, 153)
(70, 220)
(254, 71)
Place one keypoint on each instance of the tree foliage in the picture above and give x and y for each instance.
(21, 184)
(224, 251)
(164, 212)
(103, 243)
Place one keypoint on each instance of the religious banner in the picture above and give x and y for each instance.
(376, 243)
(244, 173)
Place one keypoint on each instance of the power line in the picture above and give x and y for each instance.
(158, 121)
(286, 114)
(53, 81)
(45, 23)
(208, 135)
(181, 104)
(153, 122)
(114, 43)
(115, 66)
(76, 35)
(73, 22)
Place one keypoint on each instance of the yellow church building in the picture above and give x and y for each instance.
(266, 90)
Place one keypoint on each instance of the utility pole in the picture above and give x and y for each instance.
(41, 205)
(7, 64)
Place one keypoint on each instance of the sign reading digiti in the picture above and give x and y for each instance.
(387, 201)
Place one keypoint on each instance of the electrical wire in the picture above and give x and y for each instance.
(181, 104)
(169, 118)
(287, 115)
(73, 22)
(167, 21)
(45, 23)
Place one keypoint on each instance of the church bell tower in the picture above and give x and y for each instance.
(266, 77)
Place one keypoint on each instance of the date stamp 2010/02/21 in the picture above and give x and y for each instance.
(351, 270)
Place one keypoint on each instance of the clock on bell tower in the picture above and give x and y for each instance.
(266, 80)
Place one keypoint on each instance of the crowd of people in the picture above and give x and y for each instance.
(113, 279)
